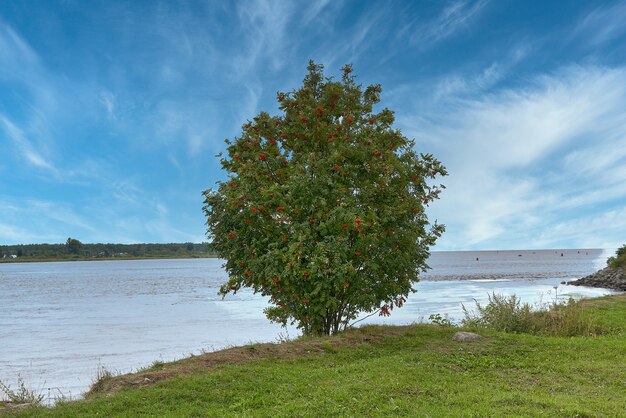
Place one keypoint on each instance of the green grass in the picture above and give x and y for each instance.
(391, 371)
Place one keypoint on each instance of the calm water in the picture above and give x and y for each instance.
(60, 322)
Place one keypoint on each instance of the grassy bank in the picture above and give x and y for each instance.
(385, 371)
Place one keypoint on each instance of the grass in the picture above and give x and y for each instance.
(385, 371)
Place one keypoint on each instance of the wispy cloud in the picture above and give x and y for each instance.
(456, 16)
(16, 56)
(313, 11)
(603, 24)
(455, 85)
(38, 220)
(21, 69)
(107, 99)
(366, 31)
(513, 154)
(62, 213)
(463, 83)
(24, 147)
(264, 24)
(10, 234)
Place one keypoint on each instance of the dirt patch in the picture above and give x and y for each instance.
(240, 355)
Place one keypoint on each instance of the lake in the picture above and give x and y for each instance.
(60, 322)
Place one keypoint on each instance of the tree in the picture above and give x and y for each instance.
(324, 209)
(619, 259)
(73, 246)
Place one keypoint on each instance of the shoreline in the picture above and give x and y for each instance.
(55, 260)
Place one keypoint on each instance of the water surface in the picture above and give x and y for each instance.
(60, 322)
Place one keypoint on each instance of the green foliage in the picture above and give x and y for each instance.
(508, 314)
(502, 313)
(73, 246)
(619, 260)
(324, 210)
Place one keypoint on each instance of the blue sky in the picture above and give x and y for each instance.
(111, 112)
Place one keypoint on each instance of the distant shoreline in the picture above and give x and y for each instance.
(182, 255)
(74, 250)
(60, 259)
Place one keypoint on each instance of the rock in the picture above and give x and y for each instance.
(608, 278)
(466, 336)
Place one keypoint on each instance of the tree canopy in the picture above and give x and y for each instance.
(619, 259)
(73, 245)
(324, 208)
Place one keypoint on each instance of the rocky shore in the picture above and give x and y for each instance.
(608, 278)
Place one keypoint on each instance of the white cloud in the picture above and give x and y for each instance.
(523, 160)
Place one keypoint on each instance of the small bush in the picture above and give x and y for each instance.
(23, 394)
(502, 313)
(508, 314)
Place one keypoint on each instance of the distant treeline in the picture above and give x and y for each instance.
(74, 249)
